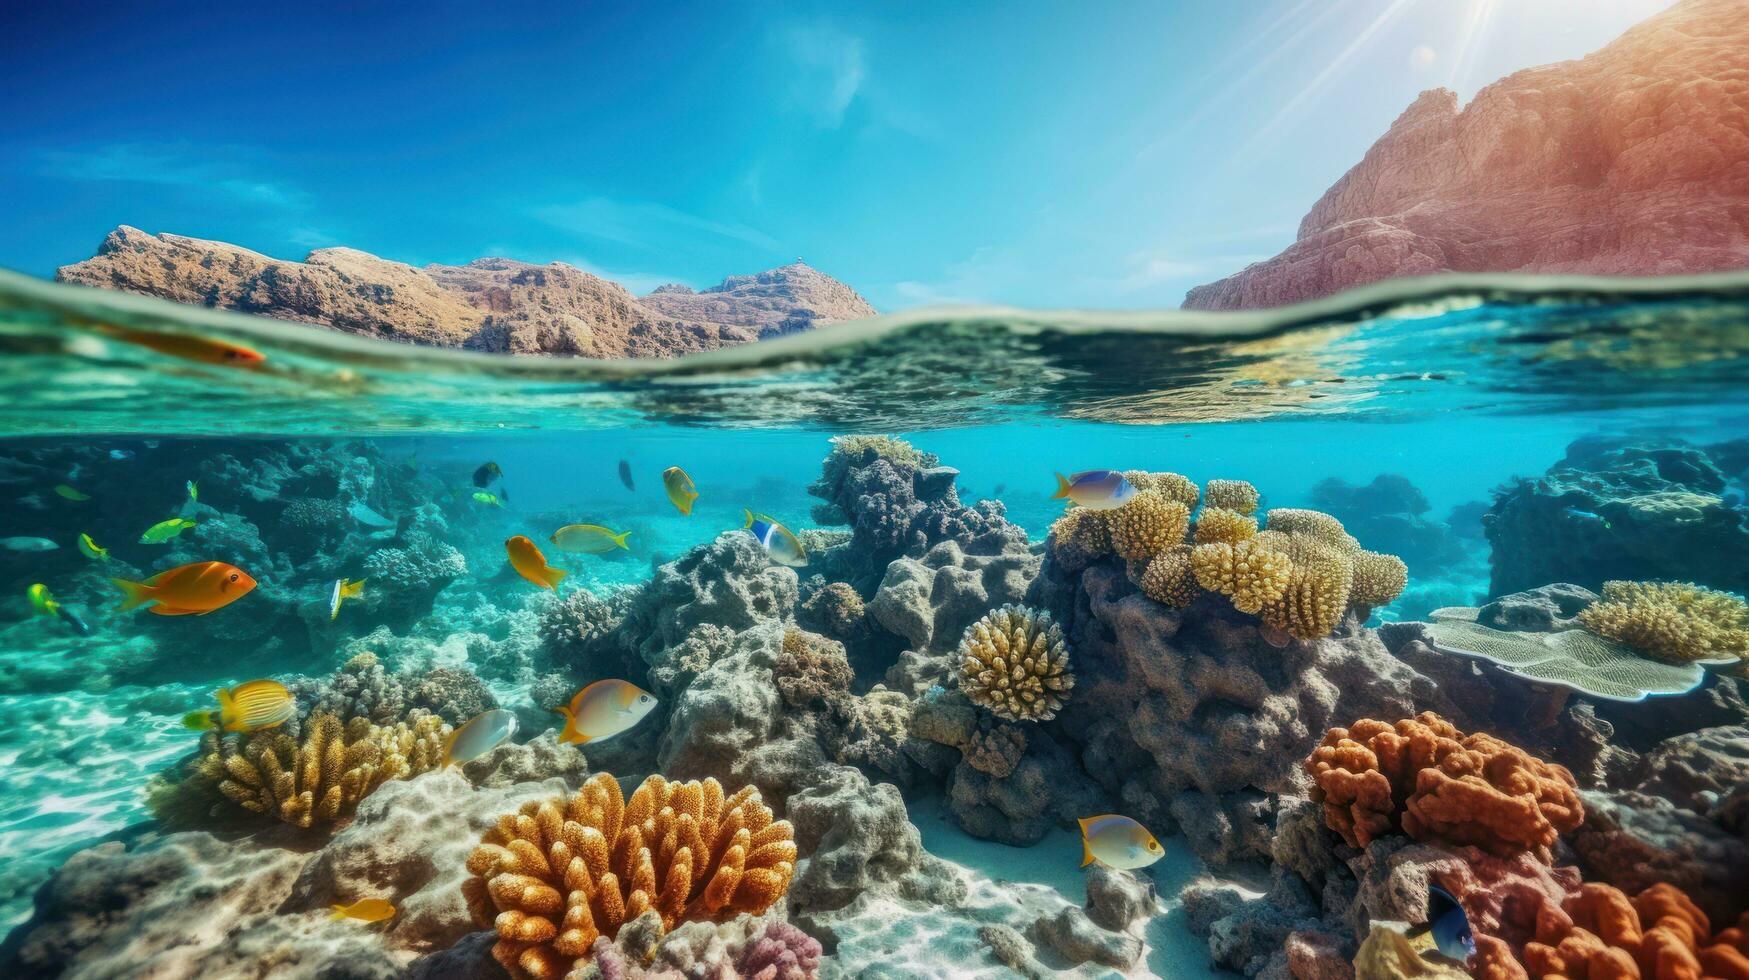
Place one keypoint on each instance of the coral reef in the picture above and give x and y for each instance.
(1014, 663)
(1218, 525)
(1674, 621)
(1249, 573)
(1080, 536)
(325, 776)
(1571, 658)
(1170, 579)
(560, 873)
(1236, 496)
(1436, 783)
(1659, 933)
(1150, 523)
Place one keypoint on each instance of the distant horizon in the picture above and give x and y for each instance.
(1029, 158)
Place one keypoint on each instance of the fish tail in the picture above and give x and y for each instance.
(749, 517)
(555, 576)
(338, 913)
(1086, 853)
(134, 594)
(620, 539)
(1063, 487)
(353, 590)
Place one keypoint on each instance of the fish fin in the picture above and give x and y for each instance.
(353, 589)
(166, 611)
(750, 517)
(1062, 487)
(338, 913)
(134, 594)
(554, 577)
(620, 539)
(1414, 931)
(449, 743)
(1086, 853)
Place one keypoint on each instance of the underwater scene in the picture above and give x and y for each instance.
(1399, 634)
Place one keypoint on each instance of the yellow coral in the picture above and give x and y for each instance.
(1234, 495)
(1149, 524)
(1218, 525)
(1169, 579)
(1315, 523)
(1079, 537)
(1675, 621)
(1015, 663)
(1172, 486)
(1378, 579)
(1314, 601)
(1250, 573)
(558, 873)
(323, 778)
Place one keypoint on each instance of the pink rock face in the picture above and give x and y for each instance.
(1631, 161)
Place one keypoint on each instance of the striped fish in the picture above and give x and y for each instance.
(254, 705)
(783, 547)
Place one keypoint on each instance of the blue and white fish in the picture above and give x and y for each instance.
(1449, 925)
(1585, 515)
(1095, 489)
(783, 547)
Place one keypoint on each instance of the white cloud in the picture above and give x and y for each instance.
(644, 224)
(176, 165)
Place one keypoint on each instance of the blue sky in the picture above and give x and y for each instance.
(1041, 154)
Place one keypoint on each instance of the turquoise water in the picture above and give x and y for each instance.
(1459, 386)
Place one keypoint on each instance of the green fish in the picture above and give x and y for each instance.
(71, 493)
(92, 549)
(193, 492)
(163, 531)
(489, 500)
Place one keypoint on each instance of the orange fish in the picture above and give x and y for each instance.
(189, 348)
(603, 710)
(193, 589)
(531, 564)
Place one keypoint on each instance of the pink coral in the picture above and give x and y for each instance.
(783, 952)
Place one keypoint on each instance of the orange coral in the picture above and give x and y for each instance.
(559, 873)
(1437, 783)
(1600, 933)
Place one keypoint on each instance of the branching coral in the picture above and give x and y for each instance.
(1218, 525)
(1674, 621)
(1378, 578)
(1015, 663)
(1173, 486)
(1149, 524)
(559, 873)
(323, 778)
(1250, 574)
(1315, 598)
(1080, 537)
(1660, 935)
(782, 952)
(997, 751)
(1170, 580)
(1234, 495)
(360, 688)
(1439, 784)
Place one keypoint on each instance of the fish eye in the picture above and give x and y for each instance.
(1153, 845)
(235, 576)
(644, 700)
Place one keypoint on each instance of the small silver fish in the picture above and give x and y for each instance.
(479, 735)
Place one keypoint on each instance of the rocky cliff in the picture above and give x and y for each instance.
(489, 304)
(1631, 161)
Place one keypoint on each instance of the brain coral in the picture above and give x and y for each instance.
(1169, 578)
(1079, 537)
(1661, 934)
(1674, 621)
(1234, 495)
(1250, 573)
(1439, 784)
(559, 873)
(323, 778)
(1015, 663)
(1218, 525)
(1149, 524)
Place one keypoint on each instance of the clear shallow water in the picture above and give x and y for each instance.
(1457, 385)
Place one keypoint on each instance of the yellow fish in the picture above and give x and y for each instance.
(365, 910)
(165, 530)
(604, 709)
(681, 492)
(490, 500)
(343, 590)
(248, 707)
(531, 564)
(71, 493)
(1117, 842)
(590, 539)
(92, 549)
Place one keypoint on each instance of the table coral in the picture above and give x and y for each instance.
(559, 873)
(1149, 524)
(1438, 784)
(1573, 658)
(1015, 663)
(1220, 525)
(325, 777)
(1674, 621)
(1660, 934)
(1251, 574)
(1234, 495)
